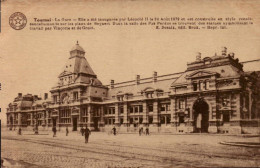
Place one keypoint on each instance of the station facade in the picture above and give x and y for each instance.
(213, 94)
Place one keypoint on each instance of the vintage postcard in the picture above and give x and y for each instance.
(127, 84)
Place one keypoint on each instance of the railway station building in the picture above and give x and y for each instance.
(214, 94)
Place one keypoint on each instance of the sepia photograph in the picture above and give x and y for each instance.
(130, 84)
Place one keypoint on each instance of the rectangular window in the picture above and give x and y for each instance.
(181, 119)
(162, 119)
(55, 99)
(163, 107)
(181, 104)
(136, 109)
(121, 109)
(121, 120)
(201, 85)
(131, 109)
(140, 109)
(168, 119)
(140, 120)
(168, 107)
(131, 120)
(226, 117)
(114, 110)
(207, 85)
(195, 86)
(150, 108)
(150, 120)
(75, 95)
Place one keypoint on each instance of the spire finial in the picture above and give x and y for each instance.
(77, 42)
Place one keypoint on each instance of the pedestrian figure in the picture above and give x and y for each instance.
(54, 131)
(114, 130)
(20, 131)
(140, 131)
(87, 133)
(147, 131)
(82, 131)
(67, 131)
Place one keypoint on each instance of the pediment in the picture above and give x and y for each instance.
(199, 74)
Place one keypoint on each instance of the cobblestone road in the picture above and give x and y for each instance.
(127, 150)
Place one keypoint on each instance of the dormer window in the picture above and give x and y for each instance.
(61, 81)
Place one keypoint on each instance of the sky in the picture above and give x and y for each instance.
(30, 61)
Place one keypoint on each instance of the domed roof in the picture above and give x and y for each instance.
(77, 47)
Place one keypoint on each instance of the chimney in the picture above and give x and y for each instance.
(154, 76)
(232, 55)
(20, 95)
(45, 96)
(224, 51)
(112, 84)
(198, 56)
(35, 97)
(137, 79)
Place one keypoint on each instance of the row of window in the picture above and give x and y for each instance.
(85, 112)
(65, 113)
(201, 85)
(137, 109)
(85, 119)
(139, 120)
(65, 120)
(65, 96)
(64, 80)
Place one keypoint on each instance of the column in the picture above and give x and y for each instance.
(238, 112)
(19, 119)
(173, 114)
(116, 114)
(31, 119)
(80, 115)
(125, 114)
(46, 118)
(102, 116)
(155, 112)
(250, 104)
(90, 121)
(145, 113)
(58, 118)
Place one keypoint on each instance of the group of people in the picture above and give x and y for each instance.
(141, 131)
(83, 131)
(86, 132)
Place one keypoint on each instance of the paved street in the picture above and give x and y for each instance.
(126, 150)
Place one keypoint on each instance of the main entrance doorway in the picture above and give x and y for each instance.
(95, 123)
(201, 115)
(75, 123)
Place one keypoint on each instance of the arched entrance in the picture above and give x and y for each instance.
(201, 115)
